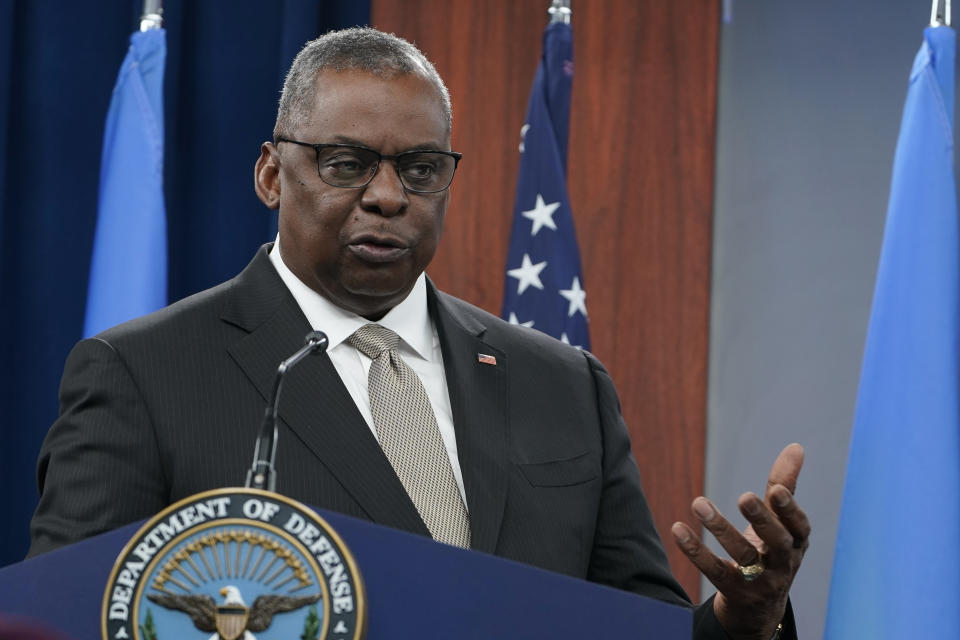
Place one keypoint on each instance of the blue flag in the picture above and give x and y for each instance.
(896, 571)
(544, 284)
(128, 271)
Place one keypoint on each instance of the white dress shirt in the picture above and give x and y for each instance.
(419, 347)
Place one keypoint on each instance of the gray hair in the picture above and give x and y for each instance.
(361, 49)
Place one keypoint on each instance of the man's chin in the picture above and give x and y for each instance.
(371, 300)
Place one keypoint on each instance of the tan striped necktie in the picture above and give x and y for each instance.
(409, 436)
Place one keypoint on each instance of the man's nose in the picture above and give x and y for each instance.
(385, 194)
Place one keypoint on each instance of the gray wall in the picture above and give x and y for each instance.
(810, 100)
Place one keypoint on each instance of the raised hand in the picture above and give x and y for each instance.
(754, 585)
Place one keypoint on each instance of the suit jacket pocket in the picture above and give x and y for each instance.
(560, 473)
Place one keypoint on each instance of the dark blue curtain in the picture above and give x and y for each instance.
(58, 65)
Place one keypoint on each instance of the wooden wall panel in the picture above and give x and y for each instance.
(641, 186)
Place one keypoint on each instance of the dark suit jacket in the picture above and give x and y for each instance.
(169, 405)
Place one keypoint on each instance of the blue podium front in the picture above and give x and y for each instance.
(415, 588)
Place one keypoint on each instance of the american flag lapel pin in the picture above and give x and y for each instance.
(485, 359)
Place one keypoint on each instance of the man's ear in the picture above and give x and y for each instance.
(266, 176)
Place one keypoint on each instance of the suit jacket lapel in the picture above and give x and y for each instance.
(478, 399)
(315, 405)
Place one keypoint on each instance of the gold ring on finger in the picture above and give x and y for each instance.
(751, 572)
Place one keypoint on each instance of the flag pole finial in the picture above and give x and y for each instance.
(940, 13)
(559, 11)
(152, 17)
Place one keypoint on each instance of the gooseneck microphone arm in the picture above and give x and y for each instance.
(263, 473)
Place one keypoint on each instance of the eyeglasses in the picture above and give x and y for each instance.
(352, 167)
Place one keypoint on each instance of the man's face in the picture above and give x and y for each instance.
(364, 248)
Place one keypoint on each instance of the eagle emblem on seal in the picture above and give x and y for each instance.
(232, 619)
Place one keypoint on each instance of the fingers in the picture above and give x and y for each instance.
(786, 468)
(781, 485)
(783, 530)
(794, 518)
(727, 535)
(719, 572)
(752, 603)
(767, 526)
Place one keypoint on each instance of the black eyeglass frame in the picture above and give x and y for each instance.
(317, 147)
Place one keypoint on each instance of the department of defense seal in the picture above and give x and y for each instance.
(235, 564)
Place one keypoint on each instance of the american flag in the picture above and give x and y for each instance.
(544, 283)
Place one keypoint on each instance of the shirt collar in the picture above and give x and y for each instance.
(409, 319)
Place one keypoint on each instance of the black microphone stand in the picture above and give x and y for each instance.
(263, 473)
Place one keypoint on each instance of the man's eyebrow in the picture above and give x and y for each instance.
(426, 146)
(348, 140)
(429, 146)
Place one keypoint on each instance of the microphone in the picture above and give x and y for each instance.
(263, 474)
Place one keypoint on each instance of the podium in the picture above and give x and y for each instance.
(415, 588)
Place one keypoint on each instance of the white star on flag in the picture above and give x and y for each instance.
(528, 274)
(566, 340)
(541, 214)
(513, 320)
(577, 298)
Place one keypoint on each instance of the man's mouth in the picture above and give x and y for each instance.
(378, 248)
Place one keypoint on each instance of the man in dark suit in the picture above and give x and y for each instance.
(534, 455)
